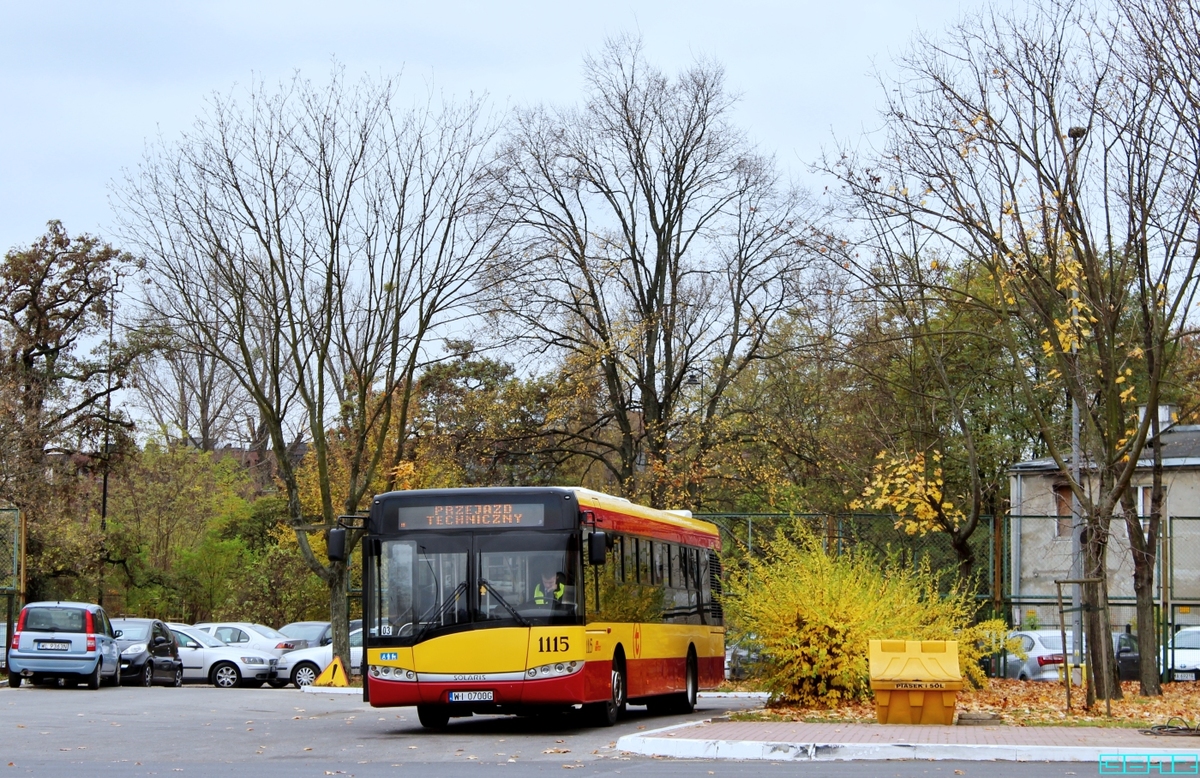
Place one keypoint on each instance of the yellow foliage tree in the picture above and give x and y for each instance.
(914, 489)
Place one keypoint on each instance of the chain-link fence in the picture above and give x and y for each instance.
(10, 550)
(1011, 562)
(10, 567)
(882, 536)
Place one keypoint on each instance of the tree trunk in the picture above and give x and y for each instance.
(339, 612)
(960, 542)
(1147, 636)
(1096, 627)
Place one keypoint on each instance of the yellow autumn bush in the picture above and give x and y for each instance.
(811, 614)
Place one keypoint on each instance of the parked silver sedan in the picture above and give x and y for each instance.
(1045, 656)
(248, 635)
(208, 660)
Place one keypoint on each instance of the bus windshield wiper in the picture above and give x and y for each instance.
(500, 599)
(452, 598)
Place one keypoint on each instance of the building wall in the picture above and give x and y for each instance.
(1040, 555)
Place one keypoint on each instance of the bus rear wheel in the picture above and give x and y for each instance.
(433, 716)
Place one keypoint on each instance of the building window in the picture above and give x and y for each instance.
(1062, 509)
(1143, 496)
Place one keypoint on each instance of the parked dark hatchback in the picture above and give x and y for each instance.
(149, 653)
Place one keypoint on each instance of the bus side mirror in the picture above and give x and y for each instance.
(597, 548)
(335, 546)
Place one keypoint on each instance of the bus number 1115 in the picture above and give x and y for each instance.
(549, 645)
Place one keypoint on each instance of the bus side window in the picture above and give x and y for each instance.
(616, 558)
(660, 563)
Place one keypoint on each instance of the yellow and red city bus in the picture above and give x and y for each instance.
(520, 599)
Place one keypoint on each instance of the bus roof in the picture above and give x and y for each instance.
(622, 515)
(614, 514)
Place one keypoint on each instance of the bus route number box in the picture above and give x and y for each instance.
(915, 681)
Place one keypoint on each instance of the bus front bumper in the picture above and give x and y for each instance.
(590, 684)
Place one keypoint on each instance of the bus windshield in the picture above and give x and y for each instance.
(429, 584)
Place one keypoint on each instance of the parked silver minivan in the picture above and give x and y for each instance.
(73, 641)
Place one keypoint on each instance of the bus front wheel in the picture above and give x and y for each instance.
(433, 716)
(604, 714)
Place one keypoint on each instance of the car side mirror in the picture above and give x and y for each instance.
(160, 640)
(335, 545)
(117, 633)
(597, 548)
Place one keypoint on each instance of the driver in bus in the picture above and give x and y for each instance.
(551, 589)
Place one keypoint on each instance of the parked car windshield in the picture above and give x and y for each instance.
(266, 631)
(203, 638)
(55, 620)
(133, 631)
(1186, 639)
(309, 632)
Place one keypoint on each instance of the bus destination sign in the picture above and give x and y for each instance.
(473, 515)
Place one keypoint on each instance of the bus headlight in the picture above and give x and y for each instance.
(389, 673)
(556, 670)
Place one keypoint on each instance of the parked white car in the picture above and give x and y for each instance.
(308, 663)
(260, 637)
(1183, 654)
(208, 660)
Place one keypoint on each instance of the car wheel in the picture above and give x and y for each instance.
(93, 679)
(14, 680)
(178, 678)
(433, 716)
(225, 675)
(304, 674)
(148, 674)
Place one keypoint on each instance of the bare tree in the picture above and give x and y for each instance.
(192, 397)
(652, 250)
(1038, 151)
(312, 240)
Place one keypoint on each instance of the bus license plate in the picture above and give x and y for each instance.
(470, 696)
(1185, 676)
(47, 645)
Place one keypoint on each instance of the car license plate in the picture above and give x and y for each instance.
(1185, 676)
(470, 697)
(47, 645)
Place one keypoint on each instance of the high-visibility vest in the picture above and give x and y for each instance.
(539, 597)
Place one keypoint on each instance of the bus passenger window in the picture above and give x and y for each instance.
(661, 565)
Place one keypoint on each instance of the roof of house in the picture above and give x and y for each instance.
(1181, 449)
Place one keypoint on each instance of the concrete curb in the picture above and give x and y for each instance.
(331, 690)
(734, 695)
(647, 744)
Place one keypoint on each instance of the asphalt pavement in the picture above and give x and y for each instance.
(283, 732)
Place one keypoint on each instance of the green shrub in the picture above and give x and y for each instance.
(811, 614)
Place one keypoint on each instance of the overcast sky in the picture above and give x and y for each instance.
(84, 85)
